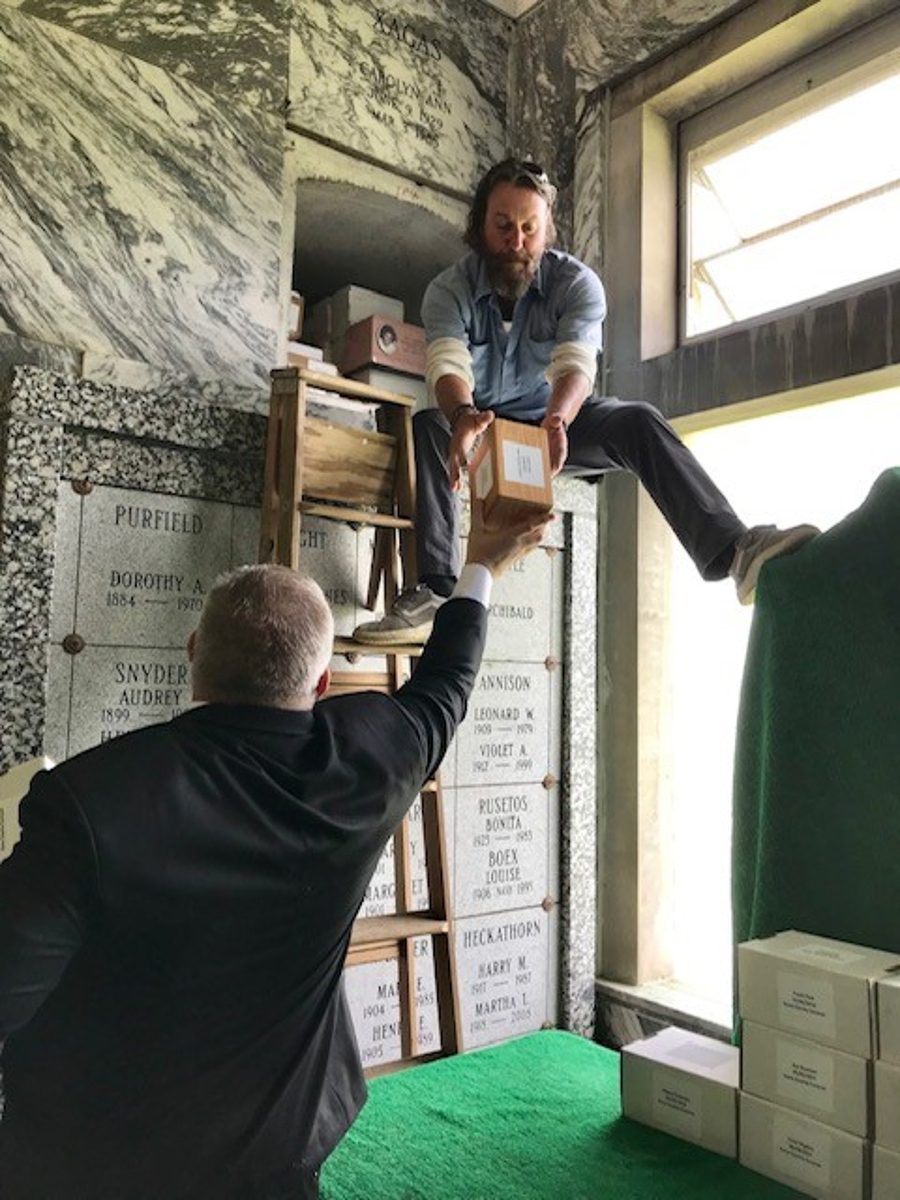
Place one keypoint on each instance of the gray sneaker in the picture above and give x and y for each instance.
(756, 547)
(408, 623)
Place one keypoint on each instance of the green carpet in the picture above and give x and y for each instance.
(817, 764)
(533, 1119)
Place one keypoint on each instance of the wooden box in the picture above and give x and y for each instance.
(384, 342)
(510, 470)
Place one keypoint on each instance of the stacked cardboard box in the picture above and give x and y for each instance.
(886, 1151)
(399, 382)
(328, 321)
(807, 1007)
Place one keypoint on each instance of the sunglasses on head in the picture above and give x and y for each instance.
(522, 166)
(534, 169)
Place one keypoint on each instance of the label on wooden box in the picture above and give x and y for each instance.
(510, 470)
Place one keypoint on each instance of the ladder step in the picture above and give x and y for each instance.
(354, 650)
(371, 931)
(356, 516)
(400, 1064)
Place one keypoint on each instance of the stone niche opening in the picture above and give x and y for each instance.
(350, 234)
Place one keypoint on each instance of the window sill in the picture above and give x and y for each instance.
(667, 1002)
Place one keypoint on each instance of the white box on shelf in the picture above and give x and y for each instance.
(395, 381)
(684, 1084)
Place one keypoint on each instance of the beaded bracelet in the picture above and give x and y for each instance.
(460, 408)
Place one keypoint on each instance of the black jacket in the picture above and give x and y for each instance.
(173, 925)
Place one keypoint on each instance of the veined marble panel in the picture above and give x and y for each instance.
(163, 382)
(232, 48)
(589, 166)
(599, 39)
(137, 220)
(419, 87)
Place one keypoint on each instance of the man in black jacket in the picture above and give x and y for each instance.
(174, 920)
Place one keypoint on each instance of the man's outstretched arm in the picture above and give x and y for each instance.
(437, 696)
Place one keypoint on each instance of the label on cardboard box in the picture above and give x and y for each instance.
(523, 464)
(805, 1079)
(806, 1005)
(801, 1151)
(678, 1104)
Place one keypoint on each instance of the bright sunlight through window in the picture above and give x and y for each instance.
(813, 464)
(781, 211)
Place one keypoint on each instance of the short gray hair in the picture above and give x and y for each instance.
(265, 637)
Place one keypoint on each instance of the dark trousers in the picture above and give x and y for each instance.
(607, 435)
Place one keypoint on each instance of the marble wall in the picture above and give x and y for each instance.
(140, 203)
(563, 53)
(421, 88)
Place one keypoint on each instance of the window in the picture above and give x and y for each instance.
(819, 463)
(799, 199)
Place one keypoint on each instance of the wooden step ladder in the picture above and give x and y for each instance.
(318, 468)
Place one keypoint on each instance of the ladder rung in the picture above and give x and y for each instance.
(370, 931)
(400, 1064)
(354, 649)
(357, 516)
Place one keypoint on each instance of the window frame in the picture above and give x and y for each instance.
(710, 378)
(826, 74)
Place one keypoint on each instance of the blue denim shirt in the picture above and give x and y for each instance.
(565, 303)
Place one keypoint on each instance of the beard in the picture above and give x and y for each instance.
(510, 274)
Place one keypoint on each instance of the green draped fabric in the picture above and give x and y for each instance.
(817, 769)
